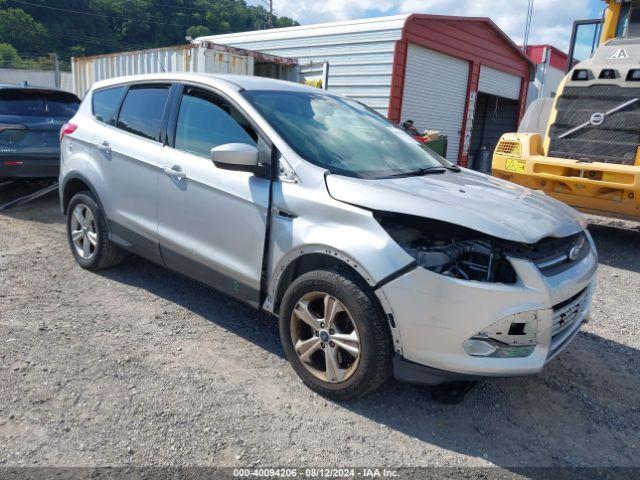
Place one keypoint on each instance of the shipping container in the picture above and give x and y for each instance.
(204, 57)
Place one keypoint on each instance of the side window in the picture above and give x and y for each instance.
(142, 110)
(206, 121)
(105, 104)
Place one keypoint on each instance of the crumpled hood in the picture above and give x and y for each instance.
(469, 199)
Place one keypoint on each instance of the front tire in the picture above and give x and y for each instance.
(335, 335)
(88, 234)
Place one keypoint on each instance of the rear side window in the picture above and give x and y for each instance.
(142, 110)
(60, 104)
(105, 104)
(206, 121)
(22, 103)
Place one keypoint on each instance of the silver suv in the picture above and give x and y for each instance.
(376, 255)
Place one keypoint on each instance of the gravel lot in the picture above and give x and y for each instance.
(139, 366)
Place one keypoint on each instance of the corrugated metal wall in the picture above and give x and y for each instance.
(188, 58)
(435, 91)
(546, 82)
(501, 84)
(360, 54)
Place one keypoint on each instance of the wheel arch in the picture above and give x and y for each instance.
(305, 260)
(75, 183)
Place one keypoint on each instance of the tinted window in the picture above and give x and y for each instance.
(206, 121)
(105, 104)
(21, 102)
(142, 110)
(60, 104)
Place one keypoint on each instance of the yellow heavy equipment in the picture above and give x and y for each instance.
(587, 153)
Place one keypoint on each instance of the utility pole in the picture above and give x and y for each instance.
(270, 13)
(527, 28)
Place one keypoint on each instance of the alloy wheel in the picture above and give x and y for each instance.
(325, 337)
(84, 233)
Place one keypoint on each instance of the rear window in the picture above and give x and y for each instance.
(105, 104)
(142, 110)
(21, 103)
(60, 104)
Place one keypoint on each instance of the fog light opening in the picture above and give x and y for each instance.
(479, 348)
(514, 336)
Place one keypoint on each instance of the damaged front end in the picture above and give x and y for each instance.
(449, 249)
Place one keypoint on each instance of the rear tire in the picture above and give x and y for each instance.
(349, 353)
(88, 234)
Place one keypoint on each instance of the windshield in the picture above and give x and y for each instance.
(341, 135)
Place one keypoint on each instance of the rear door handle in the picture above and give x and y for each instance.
(105, 147)
(174, 173)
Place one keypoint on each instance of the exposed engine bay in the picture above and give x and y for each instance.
(449, 249)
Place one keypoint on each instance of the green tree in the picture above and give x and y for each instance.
(8, 56)
(19, 29)
(198, 31)
(89, 27)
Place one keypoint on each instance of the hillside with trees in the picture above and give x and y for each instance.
(31, 30)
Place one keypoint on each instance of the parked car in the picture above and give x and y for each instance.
(30, 121)
(377, 255)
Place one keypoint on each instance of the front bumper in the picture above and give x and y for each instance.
(434, 315)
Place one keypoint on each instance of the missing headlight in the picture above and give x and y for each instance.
(449, 249)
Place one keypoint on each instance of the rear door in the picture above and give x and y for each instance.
(129, 154)
(211, 221)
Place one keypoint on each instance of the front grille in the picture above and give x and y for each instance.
(615, 141)
(553, 255)
(567, 313)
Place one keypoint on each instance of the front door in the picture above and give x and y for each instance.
(212, 222)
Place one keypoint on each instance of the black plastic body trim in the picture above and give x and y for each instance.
(390, 278)
(409, 372)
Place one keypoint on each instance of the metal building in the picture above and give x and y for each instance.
(445, 73)
(551, 67)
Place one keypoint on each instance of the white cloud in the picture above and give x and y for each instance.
(552, 19)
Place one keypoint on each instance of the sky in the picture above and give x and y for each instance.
(552, 19)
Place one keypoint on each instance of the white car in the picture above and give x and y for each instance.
(377, 255)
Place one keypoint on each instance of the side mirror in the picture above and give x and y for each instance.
(236, 156)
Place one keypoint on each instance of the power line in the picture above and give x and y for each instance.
(224, 29)
(77, 36)
(99, 14)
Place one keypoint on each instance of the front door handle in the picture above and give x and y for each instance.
(177, 174)
(105, 147)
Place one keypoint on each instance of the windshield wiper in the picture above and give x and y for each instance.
(420, 172)
(453, 168)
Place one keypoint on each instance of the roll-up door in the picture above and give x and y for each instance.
(500, 84)
(435, 90)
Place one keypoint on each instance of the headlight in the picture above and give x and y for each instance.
(449, 249)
